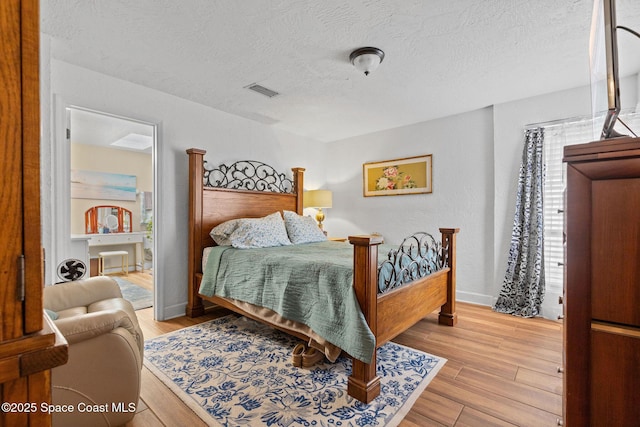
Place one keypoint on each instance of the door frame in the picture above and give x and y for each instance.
(61, 195)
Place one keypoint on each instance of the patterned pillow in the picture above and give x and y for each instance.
(302, 229)
(221, 233)
(260, 232)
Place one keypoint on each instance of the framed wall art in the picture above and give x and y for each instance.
(411, 175)
(102, 185)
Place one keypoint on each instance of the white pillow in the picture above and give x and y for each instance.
(263, 232)
(302, 229)
(221, 233)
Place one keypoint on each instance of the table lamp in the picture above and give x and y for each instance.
(318, 199)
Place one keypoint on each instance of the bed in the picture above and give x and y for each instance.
(390, 302)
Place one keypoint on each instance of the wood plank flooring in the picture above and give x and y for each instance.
(501, 371)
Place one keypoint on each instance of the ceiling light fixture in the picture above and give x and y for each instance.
(366, 59)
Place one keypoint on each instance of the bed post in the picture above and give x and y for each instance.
(448, 315)
(196, 176)
(364, 383)
(298, 179)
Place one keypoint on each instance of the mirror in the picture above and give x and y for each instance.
(107, 219)
(111, 221)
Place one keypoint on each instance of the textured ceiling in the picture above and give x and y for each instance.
(442, 57)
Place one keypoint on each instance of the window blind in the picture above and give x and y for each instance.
(556, 137)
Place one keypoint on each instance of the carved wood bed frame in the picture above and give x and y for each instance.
(387, 314)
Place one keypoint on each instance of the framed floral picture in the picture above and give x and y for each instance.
(411, 175)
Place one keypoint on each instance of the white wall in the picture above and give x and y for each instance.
(476, 157)
(462, 149)
(181, 124)
(476, 161)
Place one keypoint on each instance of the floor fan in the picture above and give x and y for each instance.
(71, 269)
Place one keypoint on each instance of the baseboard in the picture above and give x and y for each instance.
(174, 311)
(471, 297)
(548, 311)
(116, 270)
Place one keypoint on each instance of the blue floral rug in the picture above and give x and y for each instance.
(236, 372)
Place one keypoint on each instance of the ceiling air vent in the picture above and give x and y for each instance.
(262, 90)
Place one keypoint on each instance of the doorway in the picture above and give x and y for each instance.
(111, 198)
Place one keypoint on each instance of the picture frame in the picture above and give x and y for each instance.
(102, 185)
(409, 175)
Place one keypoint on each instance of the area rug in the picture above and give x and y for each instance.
(138, 296)
(236, 372)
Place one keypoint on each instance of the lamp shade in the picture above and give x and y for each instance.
(318, 199)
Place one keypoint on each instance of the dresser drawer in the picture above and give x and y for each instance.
(615, 280)
(615, 375)
(115, 239)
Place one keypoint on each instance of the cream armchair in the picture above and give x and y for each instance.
(101, 380)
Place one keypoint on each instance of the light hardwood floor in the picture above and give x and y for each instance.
(501, 371)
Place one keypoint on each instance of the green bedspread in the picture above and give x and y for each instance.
(309, 283)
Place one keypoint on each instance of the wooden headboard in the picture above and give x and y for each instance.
(209, 207)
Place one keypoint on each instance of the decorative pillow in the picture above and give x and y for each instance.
(221, 233)
(260, 232)
(302, 229)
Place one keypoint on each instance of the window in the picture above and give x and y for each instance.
(556, 137)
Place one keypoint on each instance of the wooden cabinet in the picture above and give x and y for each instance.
(602, 289)
(29, 344)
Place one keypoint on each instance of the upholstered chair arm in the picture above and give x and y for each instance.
(106, 349)
(90, 325)
(80, 293)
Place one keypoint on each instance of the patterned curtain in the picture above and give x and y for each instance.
(523, 287)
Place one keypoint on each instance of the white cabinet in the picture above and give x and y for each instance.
(116, 239)
(96, 243)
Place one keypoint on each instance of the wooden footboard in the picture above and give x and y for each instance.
(394, 312)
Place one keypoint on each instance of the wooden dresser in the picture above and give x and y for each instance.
(602, 287)
(30, 344)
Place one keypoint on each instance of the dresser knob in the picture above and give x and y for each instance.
(560, 300)
(559, 422)
(560, 316)
(560, 370)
